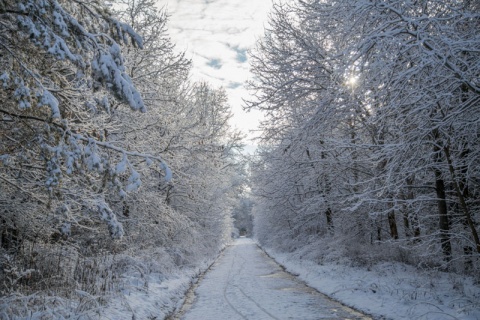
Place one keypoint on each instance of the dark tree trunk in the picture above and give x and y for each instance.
(441, 199)
(461, 197)
(443, 215)
(393, 225)
(379, 230)
(410, 219)
(328, 214)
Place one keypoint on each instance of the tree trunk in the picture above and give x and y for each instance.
(410, 220)
(328, 214)
(393, 225)
(441, 200)
(379, 229)
(442, 214)
(325, 191)
(406, 224)
(460, 194)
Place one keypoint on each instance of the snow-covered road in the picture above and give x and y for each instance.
(244, 283)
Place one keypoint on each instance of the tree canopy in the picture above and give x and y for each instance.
(109, 153)
(371, 134)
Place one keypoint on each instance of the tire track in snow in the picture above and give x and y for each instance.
(238, 287)
(248, 297)
(225, 290)
(259, 306)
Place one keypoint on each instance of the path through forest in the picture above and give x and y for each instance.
(245, 283)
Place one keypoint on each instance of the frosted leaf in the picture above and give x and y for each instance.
(60, 50)
(47, 99)
(121, 167)
(22, 93)
(93, 160)
(110, 69)
(58, 35)
(106, 104)
(5, 77)
(124, 29)
(30, 27)
(62, 209)
(117, 56)
(66, 229)
(24, 104)
(91, 106)
(168, 172)
(134, 181)
(73, 156)
(115, 228)
(54, 173)
(71, 161)
(60, 23)
(4, 158)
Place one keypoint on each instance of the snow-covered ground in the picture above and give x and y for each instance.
(246, 284)
(140, 292)
(155, 298)
(152, 296)
(390, 290)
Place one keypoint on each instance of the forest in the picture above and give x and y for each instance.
(111, 159)
(115, 166)
(370, 146)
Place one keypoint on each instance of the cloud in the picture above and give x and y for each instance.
(241, 55)
(216, 35)
(215, 63)
(234, 85)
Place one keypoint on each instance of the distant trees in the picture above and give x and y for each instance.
(371, 129)
(79, 171)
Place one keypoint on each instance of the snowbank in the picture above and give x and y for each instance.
(390, 290)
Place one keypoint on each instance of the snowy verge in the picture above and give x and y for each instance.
(154, 296)
(389, 290)
(135, 294)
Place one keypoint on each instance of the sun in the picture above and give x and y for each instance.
(352, 81)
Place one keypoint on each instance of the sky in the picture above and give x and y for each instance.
(216, 35)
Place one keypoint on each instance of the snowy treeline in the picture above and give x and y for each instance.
(371, 145)
(89, 188)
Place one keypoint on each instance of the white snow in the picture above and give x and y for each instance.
(155, 295)
(155, 298)
(106, 214)
(5, 77)
(246, 284)
(121, 167)
(21, 93)
(93, 159)
(391, 290)
(109, 67)
(134, 181)
(168, 172)
(47, 99)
